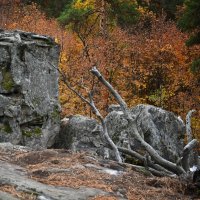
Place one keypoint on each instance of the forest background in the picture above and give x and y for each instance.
(148, 49)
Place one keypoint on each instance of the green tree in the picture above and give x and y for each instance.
(190, 21)
(120, 12)
(124, 12)
(52, 8)
(158, 6)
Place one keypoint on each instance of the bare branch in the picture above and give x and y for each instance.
(133, 128)
(188, 125)
(149, 171)
(186, 151)
(153, 153)
(118, 98)
(96, 112)
(64, 79)
(105, 130)
(142, 158)
(131, 153)
(161, 165)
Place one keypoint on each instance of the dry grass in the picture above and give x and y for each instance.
(21, 195)
(63, 168)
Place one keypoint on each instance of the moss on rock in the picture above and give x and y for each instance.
(56, 113)
(29, 133)
(7, 82)
(6, 128)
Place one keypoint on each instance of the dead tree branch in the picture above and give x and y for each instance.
(186, 152)
(131, 153)
(105, 130)
(96, 112)
(149, 163)
(150, 170)
(116, 95)
(158, 165)
(188, 125)
(133, 126)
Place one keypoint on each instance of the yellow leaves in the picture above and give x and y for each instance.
(195, 122)
(136, 100)
(145, 13)
(63, 57)
(139, 84)
(126, 62)
(167, 47)
(142, 10)
(56, 40)
(70, 102)
(80, 4)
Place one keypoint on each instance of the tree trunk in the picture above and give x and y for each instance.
(103, 19)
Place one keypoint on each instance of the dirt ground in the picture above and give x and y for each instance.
(64, 168)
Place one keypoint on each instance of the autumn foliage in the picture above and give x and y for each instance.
(148, 63)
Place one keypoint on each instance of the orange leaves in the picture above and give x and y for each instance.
(30, 18)
(150, 64)
(147, 66)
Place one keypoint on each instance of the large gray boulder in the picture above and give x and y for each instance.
(29, 106)
(78, 133)
(163, 130)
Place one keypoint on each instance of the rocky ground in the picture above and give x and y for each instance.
(60, 174)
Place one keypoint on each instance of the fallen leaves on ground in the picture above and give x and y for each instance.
(64, 168)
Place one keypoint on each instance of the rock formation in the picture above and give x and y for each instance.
(161, 129)
(29, 107)
(77, 133)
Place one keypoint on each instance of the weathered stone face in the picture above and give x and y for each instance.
(77, 133)
(161, 129)
(29, 106)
